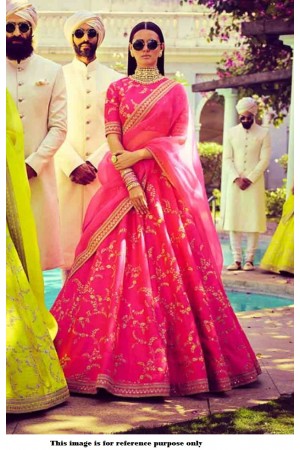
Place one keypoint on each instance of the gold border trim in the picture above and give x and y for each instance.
(110, 223)
(146, 105)
(31, 404)
(164, 389)
(113, 128)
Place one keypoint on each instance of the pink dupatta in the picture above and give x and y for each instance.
(161, 122)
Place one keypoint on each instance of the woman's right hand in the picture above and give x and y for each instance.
(138, 198)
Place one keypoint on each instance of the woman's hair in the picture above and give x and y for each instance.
(161, 60)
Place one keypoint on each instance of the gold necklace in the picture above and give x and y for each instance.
(146, 75)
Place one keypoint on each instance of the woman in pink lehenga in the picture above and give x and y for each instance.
(143, 311)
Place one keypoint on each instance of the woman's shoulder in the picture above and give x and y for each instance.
(178, 87)
(120, 82)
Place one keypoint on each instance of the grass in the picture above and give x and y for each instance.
(274, 417)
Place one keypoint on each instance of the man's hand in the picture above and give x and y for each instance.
(240, 182)
(30, 172)
(84, 174)
(243, 183)
(247, 183)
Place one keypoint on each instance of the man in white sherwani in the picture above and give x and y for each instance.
(77, 160)
(38, 89)
(246, 156)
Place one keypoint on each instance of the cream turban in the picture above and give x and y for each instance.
(247, 104)
(81, 17)
(22, 9)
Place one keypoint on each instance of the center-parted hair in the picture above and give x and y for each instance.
(146, 26)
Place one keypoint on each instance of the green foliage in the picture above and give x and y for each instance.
(217, 194)
(283, 161)
(180, 78)
(263, 53)
(274, 202)
(119, 62)
(211, 159)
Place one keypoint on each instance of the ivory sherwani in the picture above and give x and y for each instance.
(38, 89)
(86, 92)
(246, 154)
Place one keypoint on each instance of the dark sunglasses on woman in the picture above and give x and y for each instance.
(139, 44)
(24, 27)
(91, 33)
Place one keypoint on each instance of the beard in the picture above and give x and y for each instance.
(18, 51)
(87, 52)
(247, 125)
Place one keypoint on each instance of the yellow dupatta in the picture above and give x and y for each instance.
(19, 217)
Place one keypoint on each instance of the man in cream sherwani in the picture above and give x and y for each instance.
(246, 156)
(38, 89)
(77, 160)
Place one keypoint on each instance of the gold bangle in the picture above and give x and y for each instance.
(126, 171)
(133, 185)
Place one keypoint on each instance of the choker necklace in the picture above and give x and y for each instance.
(146, 75)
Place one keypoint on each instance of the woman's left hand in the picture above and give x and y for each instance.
(125, 159)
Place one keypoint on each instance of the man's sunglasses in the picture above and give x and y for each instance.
(91, 33)
(24, 27)
(139, 44)
(246, 118)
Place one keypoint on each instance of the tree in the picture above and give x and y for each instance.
(261, 53)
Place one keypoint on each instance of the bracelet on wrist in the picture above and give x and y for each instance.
(133, 185)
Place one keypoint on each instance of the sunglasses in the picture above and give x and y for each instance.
(24, 27)
(91, 33)
(139, 44)
(246, 118)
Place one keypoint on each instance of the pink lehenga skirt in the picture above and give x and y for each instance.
(147, 315)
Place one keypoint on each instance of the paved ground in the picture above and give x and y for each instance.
(270, 332)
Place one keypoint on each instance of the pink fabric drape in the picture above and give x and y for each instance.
(169, 137)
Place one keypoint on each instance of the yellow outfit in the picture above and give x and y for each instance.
(34, 378)
(279, 256)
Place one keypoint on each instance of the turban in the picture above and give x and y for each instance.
(247, 104)
(22, 9)
(81, 17)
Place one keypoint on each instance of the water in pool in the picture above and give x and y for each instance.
(240, 301)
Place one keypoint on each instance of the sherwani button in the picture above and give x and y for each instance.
(88, 106)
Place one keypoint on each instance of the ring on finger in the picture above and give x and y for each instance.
(114, 159)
